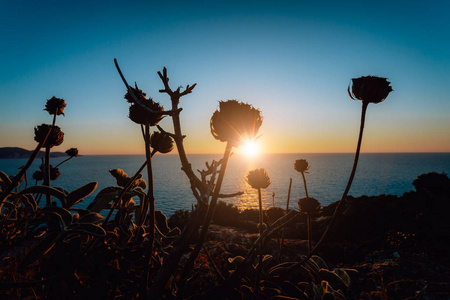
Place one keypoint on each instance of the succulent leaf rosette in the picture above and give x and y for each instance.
(258, 179)
(235, 122)
(372, 89)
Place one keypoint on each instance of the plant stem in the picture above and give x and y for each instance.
(125, 190)
(358, 148)
(260, 211)
(287, 209)
(47, 174)
(64, 161)
(304, 184)
(258, 274)
(347, 189)
(190, 262)
(150, 194)
(151, 200)
(22, 171)
(308, 222)
(185, 165)
(47, 163)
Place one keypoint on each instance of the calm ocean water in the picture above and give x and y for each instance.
(377, 174)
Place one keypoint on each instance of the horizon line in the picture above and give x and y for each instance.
(277, 153)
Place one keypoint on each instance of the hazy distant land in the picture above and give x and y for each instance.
(16, 152)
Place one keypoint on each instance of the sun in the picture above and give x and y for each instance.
(251, 149)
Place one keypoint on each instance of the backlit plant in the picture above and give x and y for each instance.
(60, 250)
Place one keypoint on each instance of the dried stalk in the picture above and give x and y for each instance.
(16, 179)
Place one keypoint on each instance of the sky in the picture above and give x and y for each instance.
(293, 60)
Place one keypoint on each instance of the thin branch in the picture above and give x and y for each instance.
(16, 179)
(136, 100)
(178, 136)
(168, 133)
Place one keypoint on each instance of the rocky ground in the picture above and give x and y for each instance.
(394, 247)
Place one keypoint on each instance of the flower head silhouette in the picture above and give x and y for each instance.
(308, 205)
(235, 121)
(161, 142)
(55, 138)
(72, 152)
(372, 89)
(55, 106)
(301, 165)
(37, 175)
(141, 116)
(258, 179)
(137, 92)
(54, 173)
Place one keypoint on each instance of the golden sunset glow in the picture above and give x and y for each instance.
(251, 149)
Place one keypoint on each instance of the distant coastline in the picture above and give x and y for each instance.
(16, 152)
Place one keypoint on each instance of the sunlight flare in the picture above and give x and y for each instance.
(251, 149)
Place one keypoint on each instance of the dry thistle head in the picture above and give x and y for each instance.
(72, 152)
(235, 122)
(308, 205)
(372, 89)
(38, 176)
(55, 106)
(137, 92)
(258, 179)
(55, 138)
(54, 173)
(301, 165)
(161, 142)
(137, 113)
(141, 116)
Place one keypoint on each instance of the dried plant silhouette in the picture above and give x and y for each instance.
(121, 246)
(259, 179)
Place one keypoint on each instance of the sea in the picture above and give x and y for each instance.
(377, 173)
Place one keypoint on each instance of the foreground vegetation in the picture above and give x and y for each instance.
(121, 246)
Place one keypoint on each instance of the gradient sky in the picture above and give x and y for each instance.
(291, 59)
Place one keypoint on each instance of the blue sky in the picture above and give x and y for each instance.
(291, 59)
